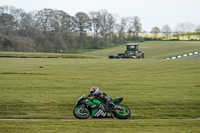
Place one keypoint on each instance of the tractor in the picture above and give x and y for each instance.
(131, 52)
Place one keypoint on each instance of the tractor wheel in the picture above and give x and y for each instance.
(142, 56)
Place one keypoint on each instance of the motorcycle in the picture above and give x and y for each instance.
(97, 108)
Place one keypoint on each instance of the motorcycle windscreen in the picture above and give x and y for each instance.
(117, 100)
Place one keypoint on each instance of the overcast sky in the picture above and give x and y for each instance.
(151, 12)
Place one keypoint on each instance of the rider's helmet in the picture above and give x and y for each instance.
(94, 89)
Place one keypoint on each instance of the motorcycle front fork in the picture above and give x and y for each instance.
(82, 107)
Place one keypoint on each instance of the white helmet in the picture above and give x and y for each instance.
(94, 89)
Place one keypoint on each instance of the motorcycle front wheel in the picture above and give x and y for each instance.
(81, 113)
(122, 114)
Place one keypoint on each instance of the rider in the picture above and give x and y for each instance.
(94, 91)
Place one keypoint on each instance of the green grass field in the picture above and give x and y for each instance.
(154, 49)
(153, 88)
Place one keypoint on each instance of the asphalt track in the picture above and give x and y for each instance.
(193, 57)
(95, 119)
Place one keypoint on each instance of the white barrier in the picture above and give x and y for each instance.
(184, 55)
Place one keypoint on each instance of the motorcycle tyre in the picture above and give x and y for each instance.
(120, 116)
(79, 117)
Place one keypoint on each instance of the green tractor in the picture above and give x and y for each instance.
(131, 52)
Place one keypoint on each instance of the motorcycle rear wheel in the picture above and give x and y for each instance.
(125, 114)
(81, 114)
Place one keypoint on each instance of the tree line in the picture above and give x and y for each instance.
(181, 30)
(49, 30)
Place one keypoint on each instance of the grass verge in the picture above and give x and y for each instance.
(41, 55)
(99, 126)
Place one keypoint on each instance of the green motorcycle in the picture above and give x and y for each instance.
(96, 108)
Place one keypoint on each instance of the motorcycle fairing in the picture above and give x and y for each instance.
(97, 111)
(100, 113)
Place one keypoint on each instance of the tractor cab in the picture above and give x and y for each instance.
(132, 52)
(132, 47)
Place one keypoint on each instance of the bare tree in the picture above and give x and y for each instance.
(198, 31)
(83, 24)
(166, 31)
(177, 33)
(107, 23)
(67, 28)
(7, 23)
(182, 29)
(104, 25)
(7, 9)
(94, 16)
(134, 27)
(43, 18)
(185, 29)
(189, 27)
(121, 28)
(137, 26)
(155, 30)
(130, 27)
